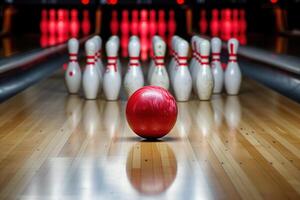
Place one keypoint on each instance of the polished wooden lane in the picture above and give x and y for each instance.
(56, 146)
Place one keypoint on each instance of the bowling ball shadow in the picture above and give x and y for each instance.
(151, 167)
(139, 139)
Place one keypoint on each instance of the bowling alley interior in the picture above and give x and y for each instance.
(149, 99)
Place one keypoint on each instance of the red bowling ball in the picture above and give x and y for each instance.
(151, 112)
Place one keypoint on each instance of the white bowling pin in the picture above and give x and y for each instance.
(197, 64)
(172, 62)
(160, 75)
(116, 39)
(233, 76)
(73, 72)
(152, 64)
(216, 65)
(182, 83)
(99, 54)
(134, 78)
(91, 79)
(96, 40)
(98, 63)
(112, 77)
(205, 80)
(174, 66)
(194, 55)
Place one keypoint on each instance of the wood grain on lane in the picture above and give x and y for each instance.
(59, 146)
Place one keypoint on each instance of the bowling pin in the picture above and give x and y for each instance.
(160, 75)
(194, 60)
(91, 79)
(99, 54)
(197, 64)
(73, 72)
(152, 62)
(182, 83)
(172, 62)
(205, 80)
(174, 66)
(98, 62)
(233, 76)
(216, 65)
(112, 77)
(134, 78)
(116, 40)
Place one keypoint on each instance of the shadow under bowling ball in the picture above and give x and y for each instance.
(151, 167)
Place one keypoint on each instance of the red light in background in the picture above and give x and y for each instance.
(180, 2)
(85, 2)
(273, 1)
(112, 2)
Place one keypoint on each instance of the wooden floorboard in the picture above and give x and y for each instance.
(57, 146)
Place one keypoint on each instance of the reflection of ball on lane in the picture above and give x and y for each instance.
(151, 112)
(151, 167)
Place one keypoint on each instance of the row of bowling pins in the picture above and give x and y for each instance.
(197, 75)
(94, 76)
(209, 78)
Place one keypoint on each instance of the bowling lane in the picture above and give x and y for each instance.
(56, 146)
